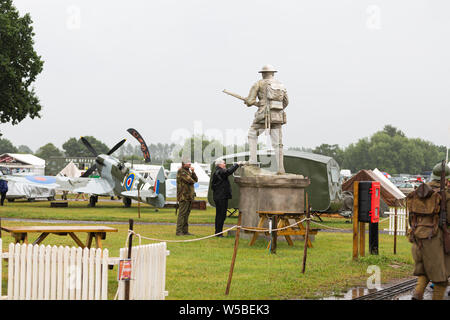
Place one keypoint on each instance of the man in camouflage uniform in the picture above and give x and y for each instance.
(272, 100)
(430, 261)
(186, 178)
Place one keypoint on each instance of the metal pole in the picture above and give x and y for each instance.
(274, 234)
(305, 249)
(395, 231)
(139, 203)
(233, 260)
(130, 244)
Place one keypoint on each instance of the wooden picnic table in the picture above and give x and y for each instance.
(280, 220)
(97, 232)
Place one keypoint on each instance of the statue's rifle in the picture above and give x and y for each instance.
(234, 95)
(443, 213)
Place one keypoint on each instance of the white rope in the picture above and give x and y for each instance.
(188, 240)
(263, 230)
(278, 229)
(328, 227)
(210, 236)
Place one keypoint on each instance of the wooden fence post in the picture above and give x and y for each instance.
(233, 260)
(355, 219)
(362, 239)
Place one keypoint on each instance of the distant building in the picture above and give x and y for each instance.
(26, 164)
(56, 164)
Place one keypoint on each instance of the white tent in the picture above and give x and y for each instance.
(71, 171)
(393, 189)
(201, 187)
(27, 164)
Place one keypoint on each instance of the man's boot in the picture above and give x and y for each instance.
(422, 282)
(439, 290)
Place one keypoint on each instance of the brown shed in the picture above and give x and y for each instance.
(390, 195)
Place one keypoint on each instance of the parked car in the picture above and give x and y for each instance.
(406, 187)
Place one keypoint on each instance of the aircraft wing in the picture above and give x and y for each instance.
(49, 182)
(142, 194)
(96, 186)
(86, 185)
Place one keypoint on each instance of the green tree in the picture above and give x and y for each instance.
(392, 131)
(76, 148)
(7, 147)
(47, 151)
(24, 149)
(356, 156)
(19, 66)
(390, 150)
(200, 149)
(205, 150)
(331, 151)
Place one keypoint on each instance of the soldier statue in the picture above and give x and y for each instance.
(270, 96)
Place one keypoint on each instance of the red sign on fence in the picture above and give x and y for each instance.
(124, 270)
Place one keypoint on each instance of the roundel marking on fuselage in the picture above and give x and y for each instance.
(129, 180)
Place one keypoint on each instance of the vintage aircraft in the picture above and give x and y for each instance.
(115, 178)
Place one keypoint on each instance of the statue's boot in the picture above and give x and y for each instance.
(422, 282)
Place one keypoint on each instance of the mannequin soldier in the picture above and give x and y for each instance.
(272, 100)
(427, 237)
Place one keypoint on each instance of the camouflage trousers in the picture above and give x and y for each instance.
(184, 210)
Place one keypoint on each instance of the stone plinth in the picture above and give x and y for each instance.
(270, 192)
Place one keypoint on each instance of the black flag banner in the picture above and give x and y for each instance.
(144, 147)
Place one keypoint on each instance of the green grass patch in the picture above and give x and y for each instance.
(199, 270)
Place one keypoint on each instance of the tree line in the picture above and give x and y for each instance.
(388, 150)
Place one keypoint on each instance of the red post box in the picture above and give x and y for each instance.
(374, 212)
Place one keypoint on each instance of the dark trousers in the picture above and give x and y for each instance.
(3, 197)
(221, 213)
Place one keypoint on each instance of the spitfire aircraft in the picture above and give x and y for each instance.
(115, 178)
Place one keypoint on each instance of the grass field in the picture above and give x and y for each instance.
(199, 270)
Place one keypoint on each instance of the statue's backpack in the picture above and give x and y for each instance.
(423, 206)
(275, 95)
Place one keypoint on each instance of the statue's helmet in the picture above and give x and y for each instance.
(437, 169)
(267, 68)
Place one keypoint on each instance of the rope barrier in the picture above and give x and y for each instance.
(210, 236)
(262, 230)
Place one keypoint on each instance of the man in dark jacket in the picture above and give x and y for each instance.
(222, 191)
(3, 190)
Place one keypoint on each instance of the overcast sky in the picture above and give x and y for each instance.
(350, 67)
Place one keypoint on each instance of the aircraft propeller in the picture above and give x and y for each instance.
(92, 150)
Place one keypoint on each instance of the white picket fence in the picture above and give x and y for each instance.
(148, 272)
(402, 221)
(56, 273)
(62, 273)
